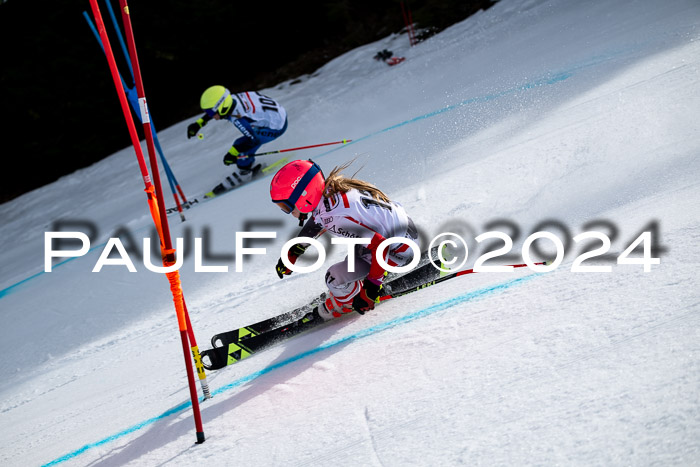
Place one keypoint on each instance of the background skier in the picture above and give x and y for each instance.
(260, 119)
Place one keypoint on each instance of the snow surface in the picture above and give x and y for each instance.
(579, 113)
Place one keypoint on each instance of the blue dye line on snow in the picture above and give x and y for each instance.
(11, 288)
(458, 300)
(546, 81)
(549, 80)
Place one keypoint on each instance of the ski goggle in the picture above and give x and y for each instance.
(285, 206)
(288, 205)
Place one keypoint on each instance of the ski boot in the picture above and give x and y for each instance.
(332, 308)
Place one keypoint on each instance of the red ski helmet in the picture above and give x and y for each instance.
(298, 184)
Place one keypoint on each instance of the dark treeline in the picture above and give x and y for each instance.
(60, 111)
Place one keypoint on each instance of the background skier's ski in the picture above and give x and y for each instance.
(266, 170)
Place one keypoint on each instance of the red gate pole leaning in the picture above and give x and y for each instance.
(153, 205)
(129, 32)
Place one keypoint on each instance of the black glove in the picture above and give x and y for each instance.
(231, 156)
(368, 296)
(230, 159)
(293, 253)
(192, 129)
(281, 269)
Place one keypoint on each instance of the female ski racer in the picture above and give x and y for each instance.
(260, 119)
(344, 207)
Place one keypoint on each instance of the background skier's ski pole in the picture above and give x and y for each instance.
(345, 141)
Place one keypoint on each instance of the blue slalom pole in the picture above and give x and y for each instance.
(134, 102)
(121, 40)
(171, 176)
(132, 97)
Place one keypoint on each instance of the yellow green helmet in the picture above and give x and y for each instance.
(216, 99)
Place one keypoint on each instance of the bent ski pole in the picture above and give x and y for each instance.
(445, 278)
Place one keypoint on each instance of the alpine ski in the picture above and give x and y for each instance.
(229, 184)
(225, 338)
(234, 346)
(235, 351)
(234, 180)
(424, 272)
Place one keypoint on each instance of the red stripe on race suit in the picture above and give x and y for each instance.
(345, 299)
(401, 249)
(362, 225)
(250, 100)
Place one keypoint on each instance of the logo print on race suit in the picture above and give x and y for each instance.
(342, 232)
(331, 203)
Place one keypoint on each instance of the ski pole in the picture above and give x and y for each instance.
(345, 141)
(445, 278)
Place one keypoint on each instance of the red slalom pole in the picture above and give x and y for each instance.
(156, 178)
(410, 26)
(122, 96)
(186, 332)
(146, 119)
(408, 21)
(150, 189)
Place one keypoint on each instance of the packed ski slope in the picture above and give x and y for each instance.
(579, 115)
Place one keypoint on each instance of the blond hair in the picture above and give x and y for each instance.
(336, 183)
